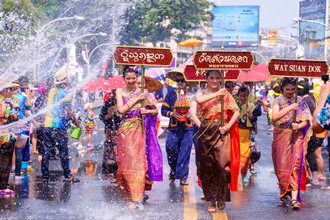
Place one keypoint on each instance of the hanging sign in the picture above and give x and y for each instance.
(297, 68)
(192, 74)
(223, 60)
(126, 55)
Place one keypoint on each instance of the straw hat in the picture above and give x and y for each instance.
(61, 76)
(12, 85)
(152, 85)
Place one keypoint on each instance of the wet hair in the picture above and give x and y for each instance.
(305, 90)
(277, 89)
(208, 73)
(242, 89)
(129, 69)
(286, 81)
(178, 74)
(232, 83)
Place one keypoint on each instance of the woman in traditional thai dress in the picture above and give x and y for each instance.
(131, 142)
(153, 150)
(289, 142)
(218, 146)
(248, 116)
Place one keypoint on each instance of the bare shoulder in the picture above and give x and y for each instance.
(278, 100)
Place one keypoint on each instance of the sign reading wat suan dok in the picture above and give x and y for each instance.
(297, 68)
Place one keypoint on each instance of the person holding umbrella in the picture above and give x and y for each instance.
(153, 150)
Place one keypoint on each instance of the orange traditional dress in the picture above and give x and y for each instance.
(219, 159)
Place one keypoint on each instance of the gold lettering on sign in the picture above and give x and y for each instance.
(200, 73)
(222, 59)
(141, 56)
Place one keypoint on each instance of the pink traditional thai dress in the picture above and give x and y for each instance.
(131, 147)
(288, 155)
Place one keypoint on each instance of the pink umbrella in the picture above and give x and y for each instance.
(156, 73)
(258, 73)
(104, 84)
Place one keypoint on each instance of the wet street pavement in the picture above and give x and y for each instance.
(96, 198)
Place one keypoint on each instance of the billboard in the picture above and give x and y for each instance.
(235, 25)
(311, 33)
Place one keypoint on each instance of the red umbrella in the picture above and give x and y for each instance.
(104, 84)
(258, 73)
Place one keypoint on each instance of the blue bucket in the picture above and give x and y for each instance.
(25, 165)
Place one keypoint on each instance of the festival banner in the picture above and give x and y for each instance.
(297, 68)
(126, 55)
(192, 74)
(223, 60)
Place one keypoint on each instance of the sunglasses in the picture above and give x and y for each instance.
(180, 80)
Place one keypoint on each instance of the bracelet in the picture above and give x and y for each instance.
(128, 105)
(227, 127)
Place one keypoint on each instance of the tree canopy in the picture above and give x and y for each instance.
(155, 20)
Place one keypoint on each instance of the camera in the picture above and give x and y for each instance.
(325, 78)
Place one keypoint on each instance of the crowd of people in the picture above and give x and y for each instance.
(221, 123)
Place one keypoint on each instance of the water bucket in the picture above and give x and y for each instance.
(75, 132)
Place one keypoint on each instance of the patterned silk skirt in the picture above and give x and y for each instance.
(214, 157)
(132, 161)
(288, 159)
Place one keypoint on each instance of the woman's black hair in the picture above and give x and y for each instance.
(208, 73)
(128, 69)
(277, 89)
(242, 89)
(305, 90)
(286, 81)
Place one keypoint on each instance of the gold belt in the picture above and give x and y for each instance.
(213, 121)
(289, 127)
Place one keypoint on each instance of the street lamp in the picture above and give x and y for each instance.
(90, 55)
(76, 17)
(317, 22)
(300, 52)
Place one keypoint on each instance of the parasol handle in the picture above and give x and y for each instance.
(222, 102)
(142, 91)
(294, 116)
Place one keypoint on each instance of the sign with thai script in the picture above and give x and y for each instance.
(297, 68)
(126, 55)
(223, 60)
(192, 74)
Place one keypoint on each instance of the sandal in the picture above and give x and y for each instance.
(221, 205)
(72, 179)
(184, 182)
(6, 192)
(131, 206)
(281, 203)
(212, 207)
(145, 197)
(295, 205)
(171, 177)
(253, 171)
